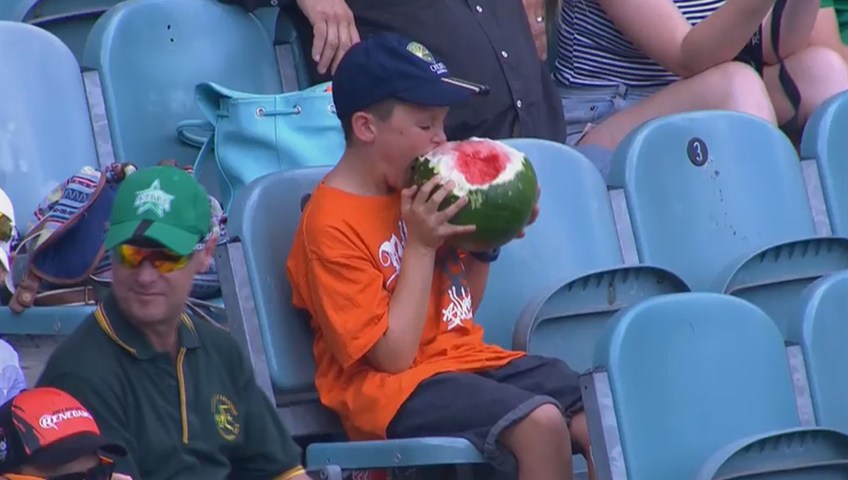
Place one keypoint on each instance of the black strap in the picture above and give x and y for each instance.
(793, 125)
(752, 53)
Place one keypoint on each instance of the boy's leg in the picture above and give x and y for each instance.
(540, 443)
(552, 378)
(499, 419)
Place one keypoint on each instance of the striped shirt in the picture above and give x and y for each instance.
(591, 51)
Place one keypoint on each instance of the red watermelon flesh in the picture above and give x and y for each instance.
(480, 162)
(498, 180)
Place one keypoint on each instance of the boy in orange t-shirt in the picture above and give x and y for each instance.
(397, 351)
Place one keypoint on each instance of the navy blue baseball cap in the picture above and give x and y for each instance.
(388, 65)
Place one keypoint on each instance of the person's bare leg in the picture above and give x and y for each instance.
(541, 444)
(819, 73)
(729, 86)
(580, 436)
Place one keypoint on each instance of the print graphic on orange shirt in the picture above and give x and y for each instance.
(457, 304)
(456, 308)
(391, 252)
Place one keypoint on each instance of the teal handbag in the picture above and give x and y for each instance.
(253, 135)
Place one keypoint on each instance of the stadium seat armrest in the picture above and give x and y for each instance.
(530, 318)
(526, 322)
(411, 452)
(819, 251)
(788, 450)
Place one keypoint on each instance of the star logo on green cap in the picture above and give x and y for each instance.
(153, 199)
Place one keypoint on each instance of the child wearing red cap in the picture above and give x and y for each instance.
(47, 434)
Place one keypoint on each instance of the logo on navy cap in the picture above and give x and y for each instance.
(421, 52)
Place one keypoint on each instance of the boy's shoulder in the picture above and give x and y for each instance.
(331, 215)
(328, 224)
(326, 209)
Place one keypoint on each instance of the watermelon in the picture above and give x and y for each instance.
(498, 180)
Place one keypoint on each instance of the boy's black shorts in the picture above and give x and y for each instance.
(479, 406)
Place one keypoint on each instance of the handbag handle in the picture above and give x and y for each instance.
(191, 138)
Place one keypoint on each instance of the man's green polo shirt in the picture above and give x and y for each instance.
(200, 417)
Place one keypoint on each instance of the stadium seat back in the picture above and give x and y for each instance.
(69, 20)
(706, 188)
(46, 129)
(574, 234)
(45, 137)
(150, 55)
(265, 216)
(820, 327)
(567, 322)
(825, 141)
(689, 374)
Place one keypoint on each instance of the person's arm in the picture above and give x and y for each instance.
(658, 29)
(349, 301)
(266, 449)
(427, 227)
(334, 31)
(826, 32)
(477, 275)
(395, 351)
(796, 29)
(106, 405)
(535, 10)
(355, 312)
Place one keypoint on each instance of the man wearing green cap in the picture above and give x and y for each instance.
(176, 391)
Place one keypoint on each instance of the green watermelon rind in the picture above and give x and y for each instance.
(495, 228)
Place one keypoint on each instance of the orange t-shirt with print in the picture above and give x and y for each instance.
(343, 267)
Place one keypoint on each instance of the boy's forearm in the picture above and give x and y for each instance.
(477, 275)
(396, 351)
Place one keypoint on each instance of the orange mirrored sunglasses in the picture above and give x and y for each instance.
(162, 259)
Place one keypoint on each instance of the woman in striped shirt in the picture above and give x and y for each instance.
(623, 62)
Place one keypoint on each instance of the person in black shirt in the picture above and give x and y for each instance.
(499, 43)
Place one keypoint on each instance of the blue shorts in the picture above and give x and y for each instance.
(588, 106)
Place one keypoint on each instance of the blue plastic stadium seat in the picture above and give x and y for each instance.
(551, 292)
(150, 55)
(826, 142)
(719, 198)
(257, 295)
(697, 385)
(69, 20)
(45, 137)
(821, 329)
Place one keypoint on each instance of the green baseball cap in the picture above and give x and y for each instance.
(164, 204)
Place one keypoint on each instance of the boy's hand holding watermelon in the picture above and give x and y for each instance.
(534, 215)
(497, 184)
(426, 225)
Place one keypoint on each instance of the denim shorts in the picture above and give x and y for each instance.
(585, 107)
(480, 406)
